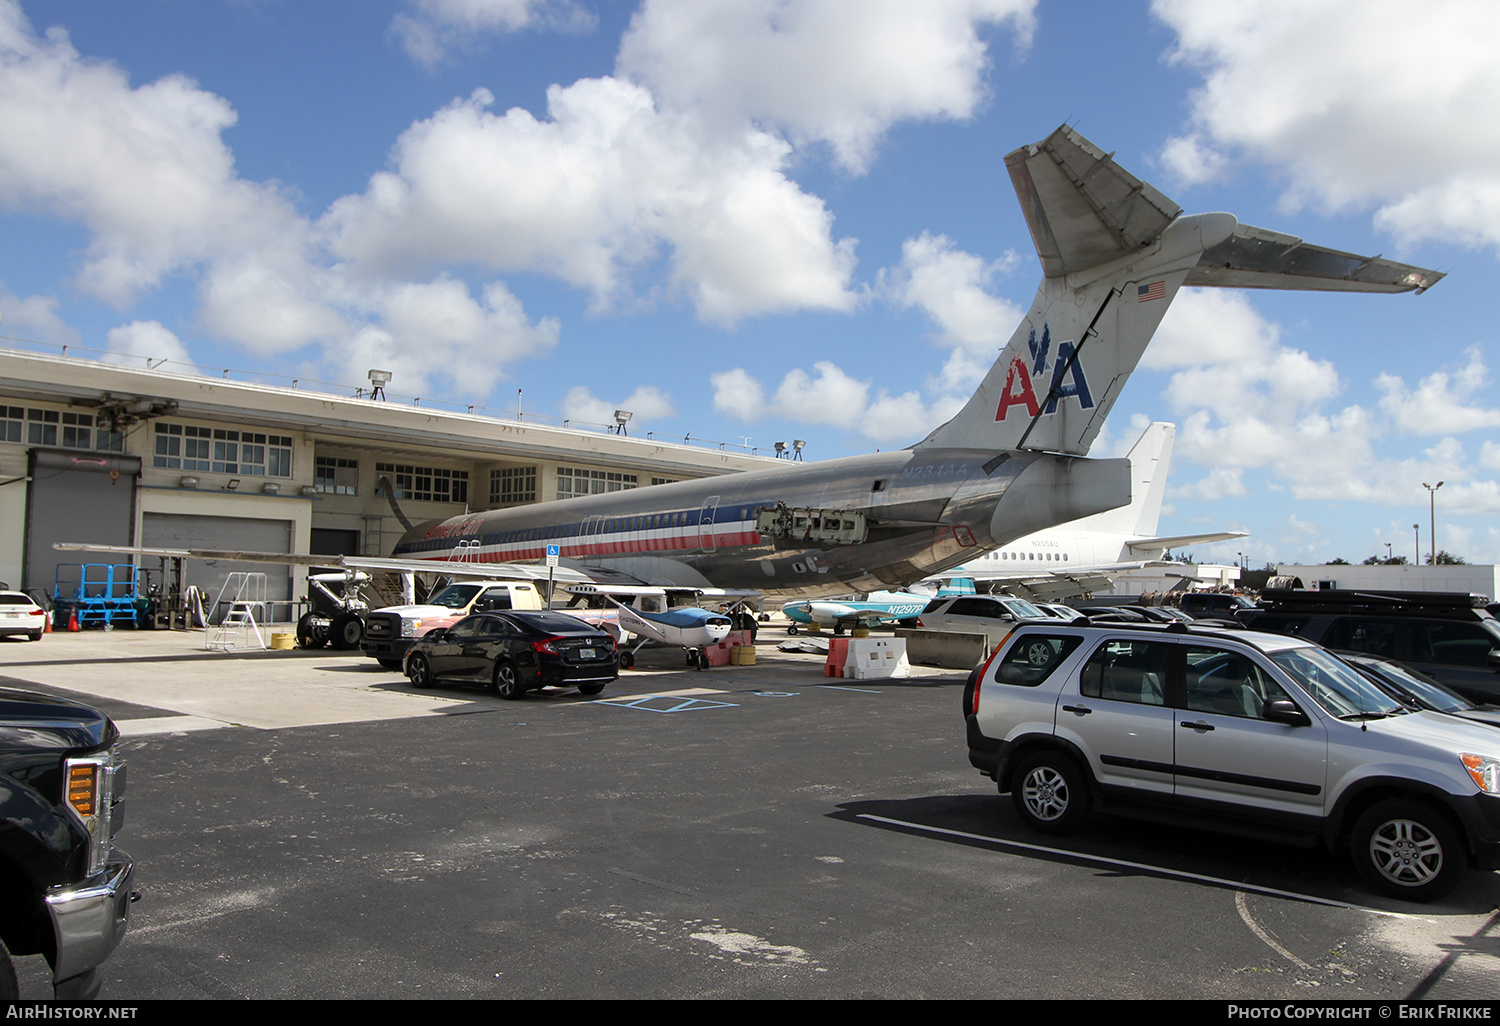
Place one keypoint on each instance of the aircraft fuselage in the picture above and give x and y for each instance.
(925, 510)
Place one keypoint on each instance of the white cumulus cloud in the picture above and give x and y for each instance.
(1358, 103)
(150, 344)
(819, 70)
(951, 287)
(435, 28)
(592, 194)
(646, 404)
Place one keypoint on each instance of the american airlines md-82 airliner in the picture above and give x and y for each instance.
(1114, 252)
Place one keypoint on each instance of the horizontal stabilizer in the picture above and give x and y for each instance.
(1143, 546)
(1083, 209)
(1257, 258)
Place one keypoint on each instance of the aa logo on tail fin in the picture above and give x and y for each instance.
(1021, 383)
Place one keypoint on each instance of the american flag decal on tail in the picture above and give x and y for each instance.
(1146, 293)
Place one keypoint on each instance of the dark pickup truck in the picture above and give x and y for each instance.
(65, 890)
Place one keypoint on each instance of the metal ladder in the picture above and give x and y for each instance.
(247, 610)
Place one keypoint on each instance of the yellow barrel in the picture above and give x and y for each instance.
(744, 655)
(283, 641)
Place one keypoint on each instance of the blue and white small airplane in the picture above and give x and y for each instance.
(877, 607)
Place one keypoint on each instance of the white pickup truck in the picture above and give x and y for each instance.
(391, 631)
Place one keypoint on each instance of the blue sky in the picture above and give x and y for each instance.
(778, 219)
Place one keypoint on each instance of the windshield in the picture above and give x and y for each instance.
(1024, 609)
(455, 596)
(1334, 684)
(1428, 691)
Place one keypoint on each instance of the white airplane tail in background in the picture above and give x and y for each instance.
(1150, 460)
(1114, 252)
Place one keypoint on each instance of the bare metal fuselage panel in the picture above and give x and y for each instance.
(926, 510)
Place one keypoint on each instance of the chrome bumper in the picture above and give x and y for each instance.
(89, 922)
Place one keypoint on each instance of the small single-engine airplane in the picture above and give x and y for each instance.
(686, 627)
(1087, 555)
(647, 616)
(860, 611)
(1114, 252)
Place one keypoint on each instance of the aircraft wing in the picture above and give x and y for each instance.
(1057, 585)
(390, 564)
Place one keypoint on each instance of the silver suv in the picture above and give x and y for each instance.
(1249, 733)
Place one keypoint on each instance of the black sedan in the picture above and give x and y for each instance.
(516, 652)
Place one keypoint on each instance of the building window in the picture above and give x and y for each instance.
(662, 480)
(426, 484)
(41, 427)
(575, 481)
(12, 423)
(78, 430)
(510, 486)
(336, 476)
(220, 450)
(264, 455)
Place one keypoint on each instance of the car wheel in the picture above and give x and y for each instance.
(590, 689)
(308, 634)
(419, 672)
(1039, 653)
(1050, 792)
(34, 636)
(346, 631)
(507, 683)
(1409, 850)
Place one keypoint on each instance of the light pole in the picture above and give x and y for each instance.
(1388, 556)
(1432, 515)
(1416, 530)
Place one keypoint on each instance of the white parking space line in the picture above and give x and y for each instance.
(1238, 885)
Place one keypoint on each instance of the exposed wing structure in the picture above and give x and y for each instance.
(1257, 258)
(445, 568)
(1058, 585)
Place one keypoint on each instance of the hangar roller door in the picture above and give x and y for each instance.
(184, 531)
(76, 497)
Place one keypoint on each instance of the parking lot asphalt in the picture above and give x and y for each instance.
(306, 825)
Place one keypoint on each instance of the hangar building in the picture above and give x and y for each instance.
(107, 453)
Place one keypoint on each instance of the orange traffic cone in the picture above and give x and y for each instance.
(47, 624)
(73, 620)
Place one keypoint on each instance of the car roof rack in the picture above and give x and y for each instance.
(1343, 600)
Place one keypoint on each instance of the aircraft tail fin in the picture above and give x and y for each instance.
(1114, 252)
(1150, 459)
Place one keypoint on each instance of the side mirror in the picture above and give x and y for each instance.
(436, 635)
(1284, 710)
(1494, 658)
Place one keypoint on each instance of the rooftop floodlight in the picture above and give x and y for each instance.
(780, 450)
(622, 417)
(378, 380)
(189, 482)
(232, 485)
(797, 446)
